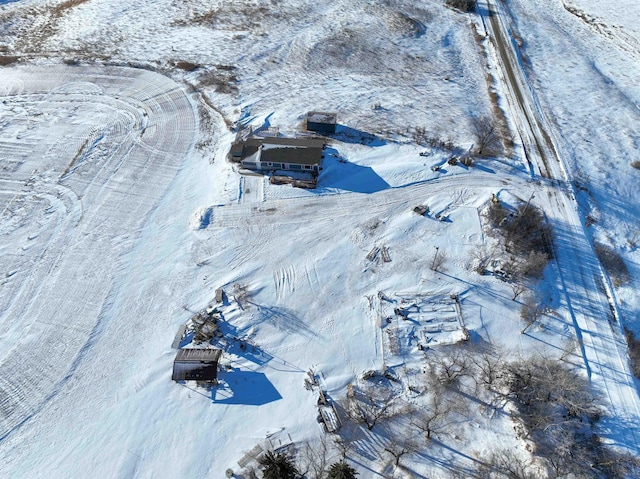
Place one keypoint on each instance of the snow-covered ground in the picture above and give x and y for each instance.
(116, 226)
(586, 76)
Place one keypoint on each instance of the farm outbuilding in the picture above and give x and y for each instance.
(322, 122)
(196, 365)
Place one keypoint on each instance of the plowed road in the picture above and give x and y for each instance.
(587, 289)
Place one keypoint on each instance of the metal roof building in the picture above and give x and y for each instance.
(196, 365)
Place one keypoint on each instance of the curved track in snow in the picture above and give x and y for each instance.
(587, 288)
(87, 155)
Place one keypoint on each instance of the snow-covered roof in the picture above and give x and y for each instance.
(198, 355)
(301, 151)
(196, 365)
(322, 117)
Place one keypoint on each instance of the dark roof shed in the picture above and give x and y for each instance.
(196, 365)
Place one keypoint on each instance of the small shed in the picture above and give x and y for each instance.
(196, 365)
(322, 121)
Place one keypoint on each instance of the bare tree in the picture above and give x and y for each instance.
(420, 135)
(548, 394)
(633, 238)
(343, 444)
(617, 465)
(450, 365)
(517, 288)
(314, 459)
(534, 264)
(510, 267)
(371, 404)
(401, 443)
(558, 409)
(486, 132)
(438, 259)
(433, 418)
(490, 368)
(526, 230)
(567, 455)
(508, 465)
(569, 349)
(530, 311)
(483, 257)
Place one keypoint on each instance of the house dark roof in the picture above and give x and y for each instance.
(300, 156)
(196, 365)
(299, 142)
(302, 151)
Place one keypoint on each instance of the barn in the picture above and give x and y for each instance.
(196, 365)
(322, 122)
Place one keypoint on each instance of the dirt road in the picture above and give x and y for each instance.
(587, 290)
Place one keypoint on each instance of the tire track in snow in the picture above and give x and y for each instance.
(340, 205)
(67, 307)
(284, 280)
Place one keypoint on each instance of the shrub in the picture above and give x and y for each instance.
(341, 470)
(527, 237)
(187, 66)
(224, 80)
(462, 5)
(526, 231)
(7, 60)
(61, 8)
(633, 343)
(613, 263)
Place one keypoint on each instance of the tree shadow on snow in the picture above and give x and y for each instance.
(249, 388)
(284, 319)
(449, 458)
(346, 134)
(484, 11)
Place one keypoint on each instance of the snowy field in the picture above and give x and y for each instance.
(120, 217)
